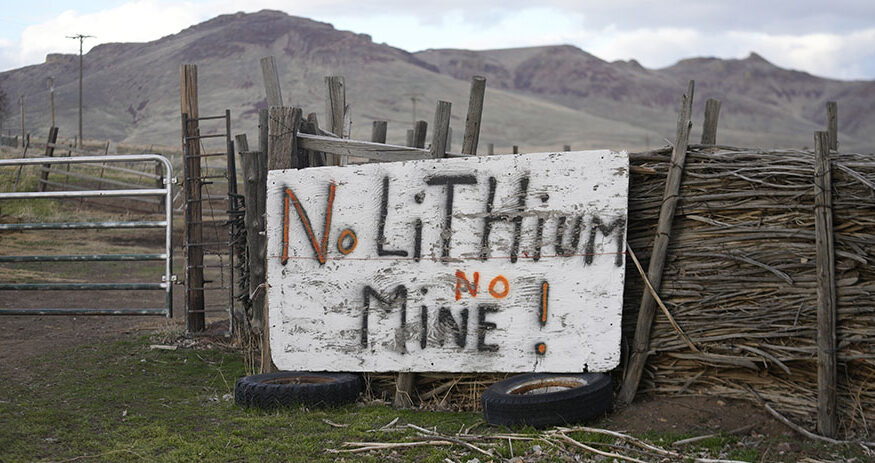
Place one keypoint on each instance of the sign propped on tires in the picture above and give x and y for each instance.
(478, 264)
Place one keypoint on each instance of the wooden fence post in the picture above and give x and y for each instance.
(263, 125)
(378, 131)
(194, 255)
(419, 131)
(282, 152)
(475, 114)
(516, 149)
(255, 181)
(271, 81)
(405, 382)
(832, 124)
(641, 344)
(50, 152)
(490, 149)
(709, 126)
(827, 419)
(441, 129)
(410, 137)
(566, 148)
(335, 110)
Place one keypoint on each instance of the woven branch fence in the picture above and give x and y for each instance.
(740, 281)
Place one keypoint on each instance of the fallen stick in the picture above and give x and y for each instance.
(658, 300)
(597, 451)
(708, 436)
(451, 439)
(368, 446)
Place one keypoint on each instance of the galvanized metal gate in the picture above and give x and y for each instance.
(166, 283)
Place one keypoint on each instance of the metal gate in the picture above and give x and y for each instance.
(209, 256)
(167, 280)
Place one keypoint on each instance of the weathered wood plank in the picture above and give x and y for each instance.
(709, 126)
(441, 130)
(827, 415)
(475, 114)
(641, 343)
(832, 124)
(365, 149)
(271, 81)
(418, 266)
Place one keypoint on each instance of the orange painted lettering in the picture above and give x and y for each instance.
(472, 288)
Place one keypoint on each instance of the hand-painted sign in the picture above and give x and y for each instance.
(498, 263)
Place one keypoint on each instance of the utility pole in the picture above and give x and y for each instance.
(414, 97)
(51, 83)
(21, 105)
(81, 38)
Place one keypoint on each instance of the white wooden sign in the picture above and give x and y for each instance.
(478, 264)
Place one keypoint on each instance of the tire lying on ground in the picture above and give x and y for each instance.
(290, 388)
(545, 399)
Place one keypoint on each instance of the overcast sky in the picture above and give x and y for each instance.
(831, 39)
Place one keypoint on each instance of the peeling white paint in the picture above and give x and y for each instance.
(317, 310)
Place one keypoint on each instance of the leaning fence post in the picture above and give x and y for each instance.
(50, 151)
(826, 287)
(641, 344)
(475, 113)
(271, 81)
(709, 126)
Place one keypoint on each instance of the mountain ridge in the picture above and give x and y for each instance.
(538, 97)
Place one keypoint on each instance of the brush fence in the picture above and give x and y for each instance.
(478, 264)
(740, 278)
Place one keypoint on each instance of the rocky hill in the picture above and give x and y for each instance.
(538, 98)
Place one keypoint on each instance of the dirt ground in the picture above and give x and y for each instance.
(24, 337)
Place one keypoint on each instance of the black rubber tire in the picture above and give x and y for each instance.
(290, 388)
(582, 397)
